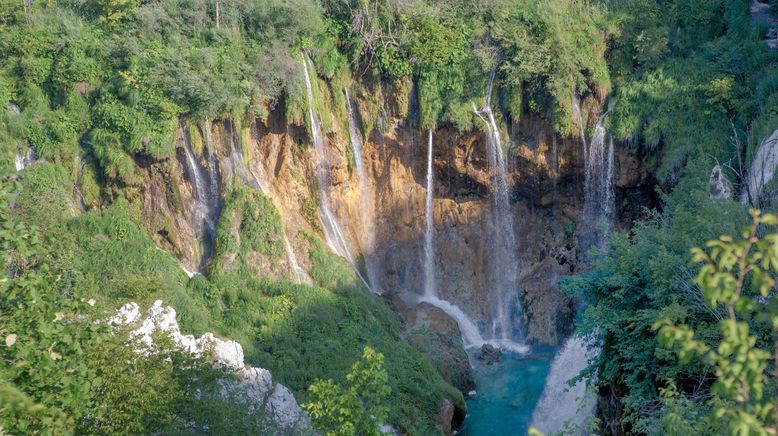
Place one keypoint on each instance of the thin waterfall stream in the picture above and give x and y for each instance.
(429, 227)
(599, 195)
(207, 202)
(366, 218)
(504, 263)
(333, 234)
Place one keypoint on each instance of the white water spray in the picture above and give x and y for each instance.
(332, 233)
(561, 404)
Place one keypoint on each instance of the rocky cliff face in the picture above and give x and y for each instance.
(545, 180)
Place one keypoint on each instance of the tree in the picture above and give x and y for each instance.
(738, 276)
(360, 408)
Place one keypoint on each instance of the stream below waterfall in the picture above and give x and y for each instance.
(507, 393)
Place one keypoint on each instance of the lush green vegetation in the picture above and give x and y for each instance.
(358, 410)
(106, 82)
(694, 85)
(300, 332)
(63, 371)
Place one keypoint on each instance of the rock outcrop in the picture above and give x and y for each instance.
(431, 331)
(254, 386)
(761, 171)
(545, 181)
(720, 186)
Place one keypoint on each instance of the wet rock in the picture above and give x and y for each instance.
(489, 354)
(437, 336)
(762, 170)
(720, 186)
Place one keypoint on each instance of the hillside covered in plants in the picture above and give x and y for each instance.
(362, 217)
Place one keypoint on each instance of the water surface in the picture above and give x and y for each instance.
(507, 393)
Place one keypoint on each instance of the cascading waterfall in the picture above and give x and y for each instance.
(213, 177)
(365, 195)
(504, 260)
(332, 233)
(207, 201)
(599, 195)
(429, 222)
(561, 404)
(471, 337)
(22, 161)
(201, 191)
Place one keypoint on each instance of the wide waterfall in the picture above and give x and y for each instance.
(599, 195)
(365, 197)
(504, 264)
(333, 235)
(563, 405)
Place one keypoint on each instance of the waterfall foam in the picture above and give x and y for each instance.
(365, 196)
(560, 404)
(504, 262)
(333, 235)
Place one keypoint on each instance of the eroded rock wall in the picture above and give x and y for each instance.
(546, 178)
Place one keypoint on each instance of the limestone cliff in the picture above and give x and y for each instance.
(545, 180)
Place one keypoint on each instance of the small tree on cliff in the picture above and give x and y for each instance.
(737, 275)
(358, 409)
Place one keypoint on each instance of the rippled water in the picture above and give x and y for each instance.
(507, 393)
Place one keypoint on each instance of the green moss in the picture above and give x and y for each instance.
(195, 138)
(249, 238)
(45, 198)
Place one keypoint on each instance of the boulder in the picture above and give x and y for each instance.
(489, 354)
(720, 186)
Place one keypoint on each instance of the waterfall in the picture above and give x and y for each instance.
(578, 115)
(298, 271)
(22, 161)
(560, 403)
(77, 186)
(332, 233)
(471, 337)
(200, 191)
(504, 259)
(207, 201)
(429, 247)
(599, 195)
(213, 177)
(365, 195)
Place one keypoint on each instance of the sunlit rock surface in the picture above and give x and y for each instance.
(254, 387)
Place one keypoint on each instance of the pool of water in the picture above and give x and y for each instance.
(507, 392)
